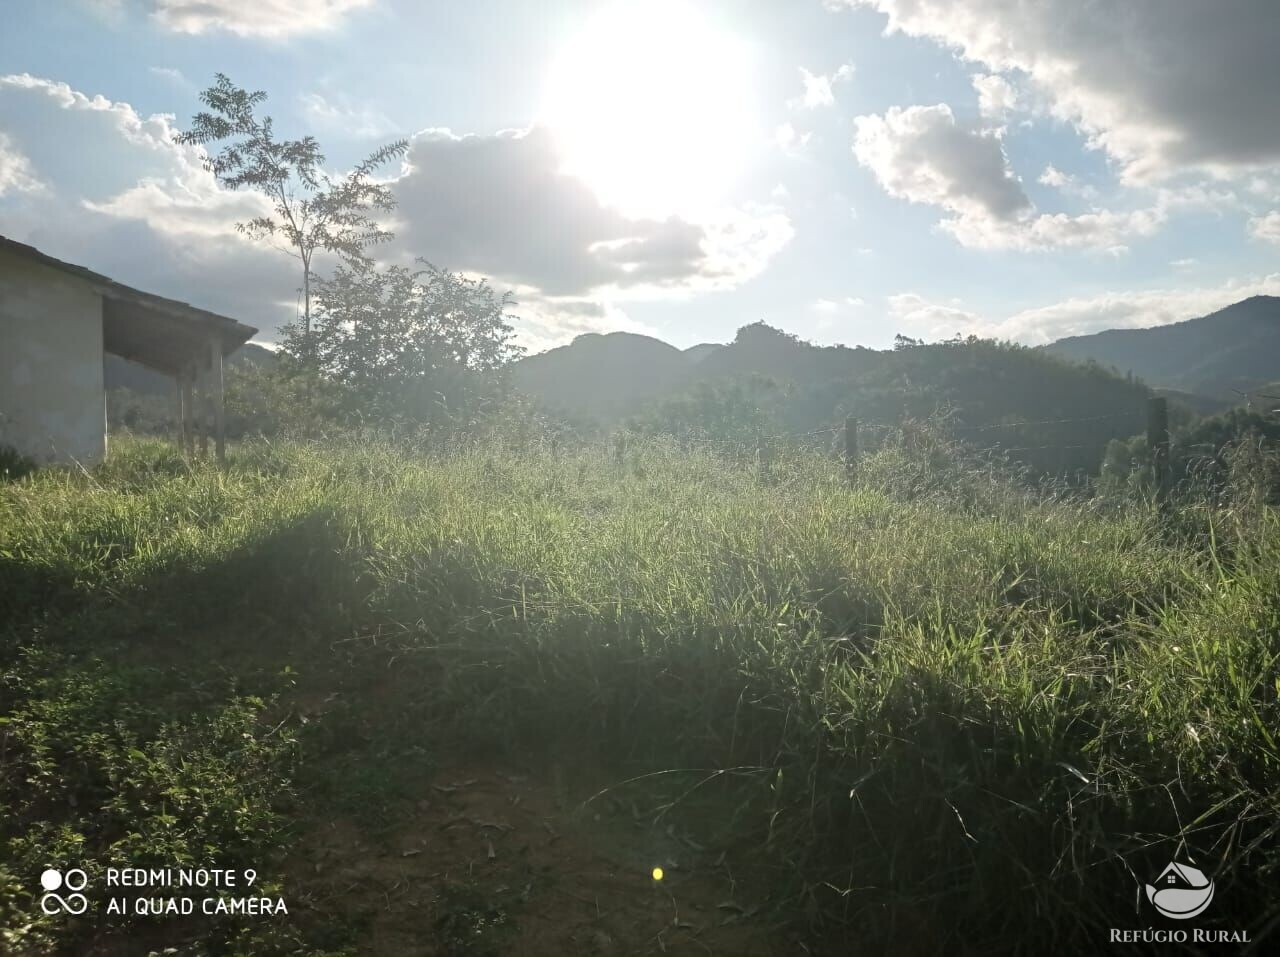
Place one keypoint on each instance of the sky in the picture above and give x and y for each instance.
(846, 170)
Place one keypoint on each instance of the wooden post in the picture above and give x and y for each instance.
(762, 457)
(177, 430)
(202, 407)
(188, 412)
(218, 400)
(850, 446)
(1158, 443)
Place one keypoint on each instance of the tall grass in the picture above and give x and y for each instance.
(957, 714)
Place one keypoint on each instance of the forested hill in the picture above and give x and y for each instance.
(604, 376)
(1236, 348)
(609, 377)
(767, 381)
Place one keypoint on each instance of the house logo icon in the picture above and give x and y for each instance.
(1181, 891)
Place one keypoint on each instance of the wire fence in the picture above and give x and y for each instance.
(945, 428)
(1074, 453)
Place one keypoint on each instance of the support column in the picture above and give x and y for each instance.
(218, 400)
(1158, 444)
(188, 412)
(202, 405)
(178, 418)
(851, 450)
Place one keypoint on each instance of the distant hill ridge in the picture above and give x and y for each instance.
(1236, 348)
(606, 376)
(1203, 363)
(1198, 362)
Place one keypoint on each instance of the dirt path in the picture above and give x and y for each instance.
(496, 861)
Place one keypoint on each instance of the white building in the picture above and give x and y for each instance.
(57, 322)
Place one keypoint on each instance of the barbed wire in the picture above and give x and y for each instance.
(1037, 448)
(875, 427)
(1018, 425)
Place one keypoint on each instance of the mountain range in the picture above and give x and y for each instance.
(1234, 350)
(1204, 364)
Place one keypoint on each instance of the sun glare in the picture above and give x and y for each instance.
(652, 106)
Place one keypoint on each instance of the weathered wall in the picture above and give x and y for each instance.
(51, 399)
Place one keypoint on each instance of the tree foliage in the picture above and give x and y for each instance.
(421, 345)
(311, 209)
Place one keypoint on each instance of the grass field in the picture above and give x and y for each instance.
(932, 711)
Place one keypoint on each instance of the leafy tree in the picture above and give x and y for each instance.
(418, 344)
(310, 209)
(735, 410)
(762, 335)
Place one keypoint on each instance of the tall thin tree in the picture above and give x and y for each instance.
(311, 209)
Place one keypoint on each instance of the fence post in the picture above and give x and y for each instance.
(188, 413)
(1158, 443)
(850, 446)
(218, 400)
(181, 421)
(202, 408)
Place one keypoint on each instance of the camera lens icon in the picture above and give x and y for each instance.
(74, 880)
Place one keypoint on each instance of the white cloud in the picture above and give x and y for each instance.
(184, 206)
(819, 87)
(790, 140)
(16, 174)
(172, 74)
(997, 97)
(1185, 263)
(1052, 176)
(739, 245)
(921, 154)
(829, 306)
(1266, 227)
(339, 115)
(544, 323)
(500, 205)
(1265, 188)
(1161, 85)
(265, 18)
(834, 314)
(144, 212)
(924, 155)
(147, 213)
(1103, 230)
(1127, 309)
(930, 320)
(1066, 183)
(169, 189)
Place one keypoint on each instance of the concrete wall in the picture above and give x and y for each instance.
(52, 405)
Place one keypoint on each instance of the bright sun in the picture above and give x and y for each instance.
(652, 106)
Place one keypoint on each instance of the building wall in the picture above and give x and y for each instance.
(52, 405)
